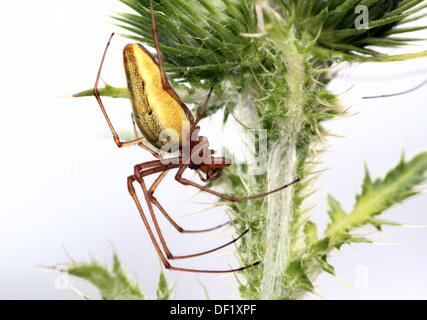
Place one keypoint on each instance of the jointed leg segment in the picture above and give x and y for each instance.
(187, 182)
(98, 98)
(158, 205)
(156, 166)
(150, 168)
(166, 85)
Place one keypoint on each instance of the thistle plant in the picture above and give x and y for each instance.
(270, 63)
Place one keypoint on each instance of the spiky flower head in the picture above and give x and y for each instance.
(352, 26)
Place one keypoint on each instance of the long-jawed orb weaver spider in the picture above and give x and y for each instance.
(157, 107)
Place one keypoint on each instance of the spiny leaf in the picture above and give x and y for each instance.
(335, 16)
(336, 213)
(310, 232)
(389, 42)
(297, 273)
(403, 6)
(386, 21)
(334, 22)
(325, 265)
(381, 194)
(163, 291)
(406, 30)
(108, 91)
(325, 54)
(112, 284)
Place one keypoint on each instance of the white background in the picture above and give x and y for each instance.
(63, 180)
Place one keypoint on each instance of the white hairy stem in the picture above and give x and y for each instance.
(282, 168)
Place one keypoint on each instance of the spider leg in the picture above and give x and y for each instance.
(98, 98)
(130, 181)
(166, 85)
(159, 206)
(140, 180)
(199, 117)
(187, 182)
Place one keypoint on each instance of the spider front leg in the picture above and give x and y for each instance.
(187, 182)
(165, 82)
(161, 168)
(104, 112)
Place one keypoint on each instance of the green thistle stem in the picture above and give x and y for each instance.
(280, 209)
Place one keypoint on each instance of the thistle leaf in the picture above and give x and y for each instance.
(310, 232)
(108, 91)
(336, 213)
(112, 284)
(163, 291)
(297, 272)
(377, 196)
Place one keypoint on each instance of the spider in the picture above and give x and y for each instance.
(157, 107)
